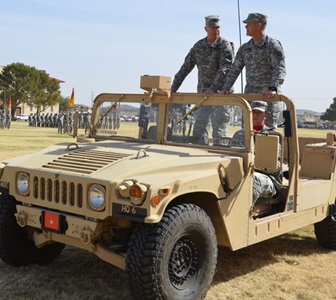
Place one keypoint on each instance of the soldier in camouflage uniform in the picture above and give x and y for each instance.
(264, 60)
(213, 56)
(265, 185)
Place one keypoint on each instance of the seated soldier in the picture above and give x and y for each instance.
(265, 185)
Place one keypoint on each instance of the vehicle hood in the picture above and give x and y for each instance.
(118, 159)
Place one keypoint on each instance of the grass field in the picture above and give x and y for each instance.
(290, 267)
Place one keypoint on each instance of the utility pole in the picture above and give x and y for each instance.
(92, 98)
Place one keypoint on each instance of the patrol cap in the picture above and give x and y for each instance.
(212, 21)
(259, 105)
(256, 17)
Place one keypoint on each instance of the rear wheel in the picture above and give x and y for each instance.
(175, 258)
(16, 248)
(325, 230)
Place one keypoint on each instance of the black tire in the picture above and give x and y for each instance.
(175, 258)
(16, 248)
(325, 232)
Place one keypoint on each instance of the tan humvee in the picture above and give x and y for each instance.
(142, 193)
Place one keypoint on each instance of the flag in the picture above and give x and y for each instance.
(9, 101)
(72, 98)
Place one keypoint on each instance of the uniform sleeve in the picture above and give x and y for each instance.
(278, 62)
(225, 63)
(188, 65)
(235, 70)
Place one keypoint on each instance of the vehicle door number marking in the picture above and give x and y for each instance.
(129, 211)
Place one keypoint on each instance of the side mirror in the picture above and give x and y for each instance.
(288, 123)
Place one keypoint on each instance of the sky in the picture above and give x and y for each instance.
(104, 46)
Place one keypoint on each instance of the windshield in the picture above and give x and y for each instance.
(141, 121)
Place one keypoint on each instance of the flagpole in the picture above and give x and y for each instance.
(9, 103)
(240, 43)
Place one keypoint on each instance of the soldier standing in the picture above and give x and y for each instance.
(213, 56)
(87, 121)
(60, 122)
(2, 120)
(264, 60)
(8, 120)
(54, 120)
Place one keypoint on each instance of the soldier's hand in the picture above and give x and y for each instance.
(269, 94)
(209, 92)
(224, 92)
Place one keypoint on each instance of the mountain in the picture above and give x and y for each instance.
(305, 111)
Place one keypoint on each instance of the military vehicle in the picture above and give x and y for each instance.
(150, 198)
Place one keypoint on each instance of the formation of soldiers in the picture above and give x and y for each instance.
(109, 121)
(43, 120)
(59, 121)
(5, 120)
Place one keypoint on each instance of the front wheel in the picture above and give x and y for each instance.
(16, 248)
(175, 258)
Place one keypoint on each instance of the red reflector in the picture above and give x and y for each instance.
(51, 221)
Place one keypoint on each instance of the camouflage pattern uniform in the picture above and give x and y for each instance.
(265, 68)
(1, 120)
(213, 61)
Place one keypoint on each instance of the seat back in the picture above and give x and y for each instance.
(267, 149)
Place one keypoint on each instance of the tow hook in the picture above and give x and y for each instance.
(85, 236)
(21, 219)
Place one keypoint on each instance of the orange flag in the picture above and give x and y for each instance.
(72, 98)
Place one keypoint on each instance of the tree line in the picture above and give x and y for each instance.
(330, 114)
(20, 84)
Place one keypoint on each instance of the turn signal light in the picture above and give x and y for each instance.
(137, 193)
(156, 200)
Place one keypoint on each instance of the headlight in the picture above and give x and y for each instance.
(22, 184)
(97, 197)
(124, 188)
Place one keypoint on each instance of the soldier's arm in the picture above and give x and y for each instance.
(235, 70)
(278, 62)
(225, 63)
(186, 68)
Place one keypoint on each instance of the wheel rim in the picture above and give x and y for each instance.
(183, 263)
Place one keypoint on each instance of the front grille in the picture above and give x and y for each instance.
(59, 192)
(84, 161)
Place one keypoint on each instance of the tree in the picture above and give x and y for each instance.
(47, 92)
(330, 114)
(28, 85)
(64, 104)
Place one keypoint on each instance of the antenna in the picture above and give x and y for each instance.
(240, 43)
